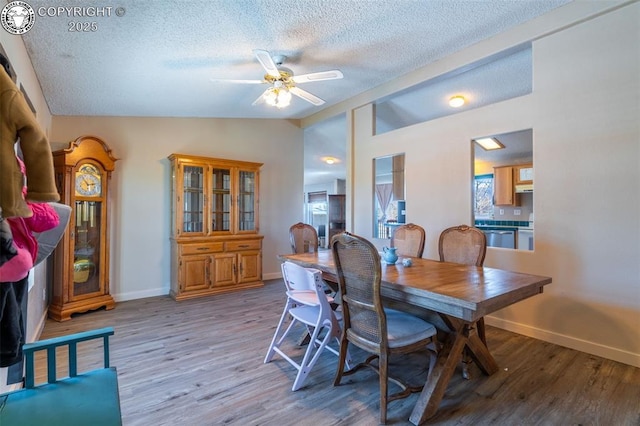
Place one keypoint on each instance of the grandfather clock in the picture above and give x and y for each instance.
(81, 259)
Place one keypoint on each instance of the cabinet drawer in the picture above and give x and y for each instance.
(243, 245)
(199, 248)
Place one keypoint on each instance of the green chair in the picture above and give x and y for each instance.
(87, 398)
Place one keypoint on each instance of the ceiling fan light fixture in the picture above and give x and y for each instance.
(284, 98)
(283, 82)
(271, 97)
(457, 101)
(277, 97)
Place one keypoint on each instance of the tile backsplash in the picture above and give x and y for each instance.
(488, 222)
(509, 212)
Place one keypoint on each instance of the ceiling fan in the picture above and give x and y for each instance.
(283, 82)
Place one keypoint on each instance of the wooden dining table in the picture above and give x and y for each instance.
(459, 294)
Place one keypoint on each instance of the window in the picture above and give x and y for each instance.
(483, 196)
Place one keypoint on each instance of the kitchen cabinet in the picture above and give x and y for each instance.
(215, 241)
(503, 187)
(523, 174)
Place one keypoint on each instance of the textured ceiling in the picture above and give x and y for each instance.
(158, 58)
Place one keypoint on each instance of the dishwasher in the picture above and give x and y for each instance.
(505, 238)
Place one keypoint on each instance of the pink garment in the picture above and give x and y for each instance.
(19, 265)
(44, 218)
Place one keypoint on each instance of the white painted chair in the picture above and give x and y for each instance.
(308, 305)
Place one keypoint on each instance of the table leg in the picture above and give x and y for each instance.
(448, 358)
(433, 391)
(481, 355)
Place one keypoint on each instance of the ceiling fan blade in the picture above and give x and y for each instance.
(318, 76)
(267, 63)
(225, 80)
(303, 94)
(260, 98)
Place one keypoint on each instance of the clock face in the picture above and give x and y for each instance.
(88, 181)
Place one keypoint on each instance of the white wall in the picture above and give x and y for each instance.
(140, 216)
(584, 113)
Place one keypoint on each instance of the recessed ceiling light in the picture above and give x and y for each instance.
(489, 144)
(456, 101)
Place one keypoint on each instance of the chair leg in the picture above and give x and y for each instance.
(336, 331)
(344, 343)
(383, 371)
(274, 341)
(311, 355)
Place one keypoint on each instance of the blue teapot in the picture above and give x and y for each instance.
(389, 255)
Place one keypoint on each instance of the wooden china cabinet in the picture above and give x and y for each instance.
(215, 245)
(81, 259)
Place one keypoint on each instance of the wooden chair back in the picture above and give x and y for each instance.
(467, 245)
(359, 276)
(462, 244)
(409, 240)
(303, 238)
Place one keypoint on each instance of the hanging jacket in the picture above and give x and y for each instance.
(18, 122)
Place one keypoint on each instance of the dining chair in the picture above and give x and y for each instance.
(298, 288)
(368, 324)
(409, 239)
(310, 308)
(303, 238)
(467, 245)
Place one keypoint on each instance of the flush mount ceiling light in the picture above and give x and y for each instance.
(489, 144)
(456, 101)
(330, 160)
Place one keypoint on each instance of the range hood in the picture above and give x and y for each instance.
(524, 188)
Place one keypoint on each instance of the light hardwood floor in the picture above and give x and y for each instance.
(200, 362)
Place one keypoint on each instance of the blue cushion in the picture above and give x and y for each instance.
(404, 329)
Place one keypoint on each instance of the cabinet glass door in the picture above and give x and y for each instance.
(221, 200)
(247, 201)
(87, 243)
(193, 190)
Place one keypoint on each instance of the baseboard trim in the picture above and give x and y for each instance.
(123, 297)
(592, 348)
(272, 276)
